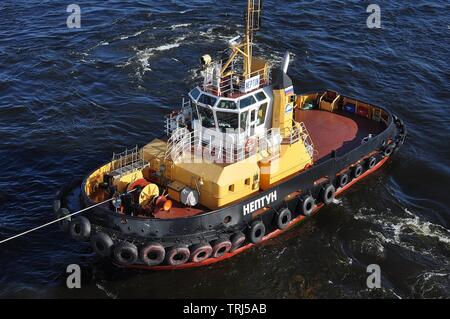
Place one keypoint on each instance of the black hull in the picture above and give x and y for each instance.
(224, 222)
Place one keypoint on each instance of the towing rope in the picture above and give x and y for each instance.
(60, 219)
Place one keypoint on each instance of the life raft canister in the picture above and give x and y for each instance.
(283, 218)
(328, 194)
(126, 253)
(200, 252)
(177, 255)
(308, 205)
(153, 254)
(102, 244)
(220, 247)
(80, 228)
(237, 240)
(257, 231)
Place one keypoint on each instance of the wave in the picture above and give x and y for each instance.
(125, 37)
(181, 25)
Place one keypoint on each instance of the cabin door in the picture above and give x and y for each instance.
(253, 122)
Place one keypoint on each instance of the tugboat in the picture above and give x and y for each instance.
(242, 161)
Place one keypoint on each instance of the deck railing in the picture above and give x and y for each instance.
(234, 83)
(127, 161)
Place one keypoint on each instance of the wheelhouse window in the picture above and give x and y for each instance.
(262, 114)
(227, 121)
(227, 105)
(207, 100)
(247, 102)
(261, 96)
(195, 93)
(206, 116)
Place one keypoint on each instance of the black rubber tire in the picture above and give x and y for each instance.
(220, 247)
(308, 206)
(343, 180)
(257, 231)
(357, 171)
(80, 228)
(153, 254)
(371, 162)
(200, 252)
(328, 194)
(237, 240)
(283, 218)
(56, 205)
(177, 255)
(102, 244)
(126, 253)
(388, 150)
(65, 223)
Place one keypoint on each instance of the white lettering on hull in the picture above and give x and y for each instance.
(259, 203)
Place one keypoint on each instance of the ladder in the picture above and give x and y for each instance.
(254, 15)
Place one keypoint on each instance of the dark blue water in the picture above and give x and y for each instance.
(70, 98)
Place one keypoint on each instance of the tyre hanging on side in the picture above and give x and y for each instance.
(220, 247)
(126, 253)
(283, 218)
(328, 194)
(80, 228)
(177, 255)
(257, 231)
(343, 180)
(65, 223)
(102, 244)
(237, 240)
(388, 150)
(153, 254)
(200, 252)
(357, 171)
(56, 206)
(308, 205)
(371, 162)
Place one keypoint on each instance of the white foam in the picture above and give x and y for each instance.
(182, 25)
(394, 227)
(144, 56)
(124, 37)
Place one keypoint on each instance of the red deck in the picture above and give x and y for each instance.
(336, 131)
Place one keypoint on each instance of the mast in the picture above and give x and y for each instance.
(253, 23)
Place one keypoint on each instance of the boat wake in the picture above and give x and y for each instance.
(402, 231)
(142, 57)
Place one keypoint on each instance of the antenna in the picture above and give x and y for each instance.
(245, 48)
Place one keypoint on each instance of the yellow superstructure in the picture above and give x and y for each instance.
(216, 185)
